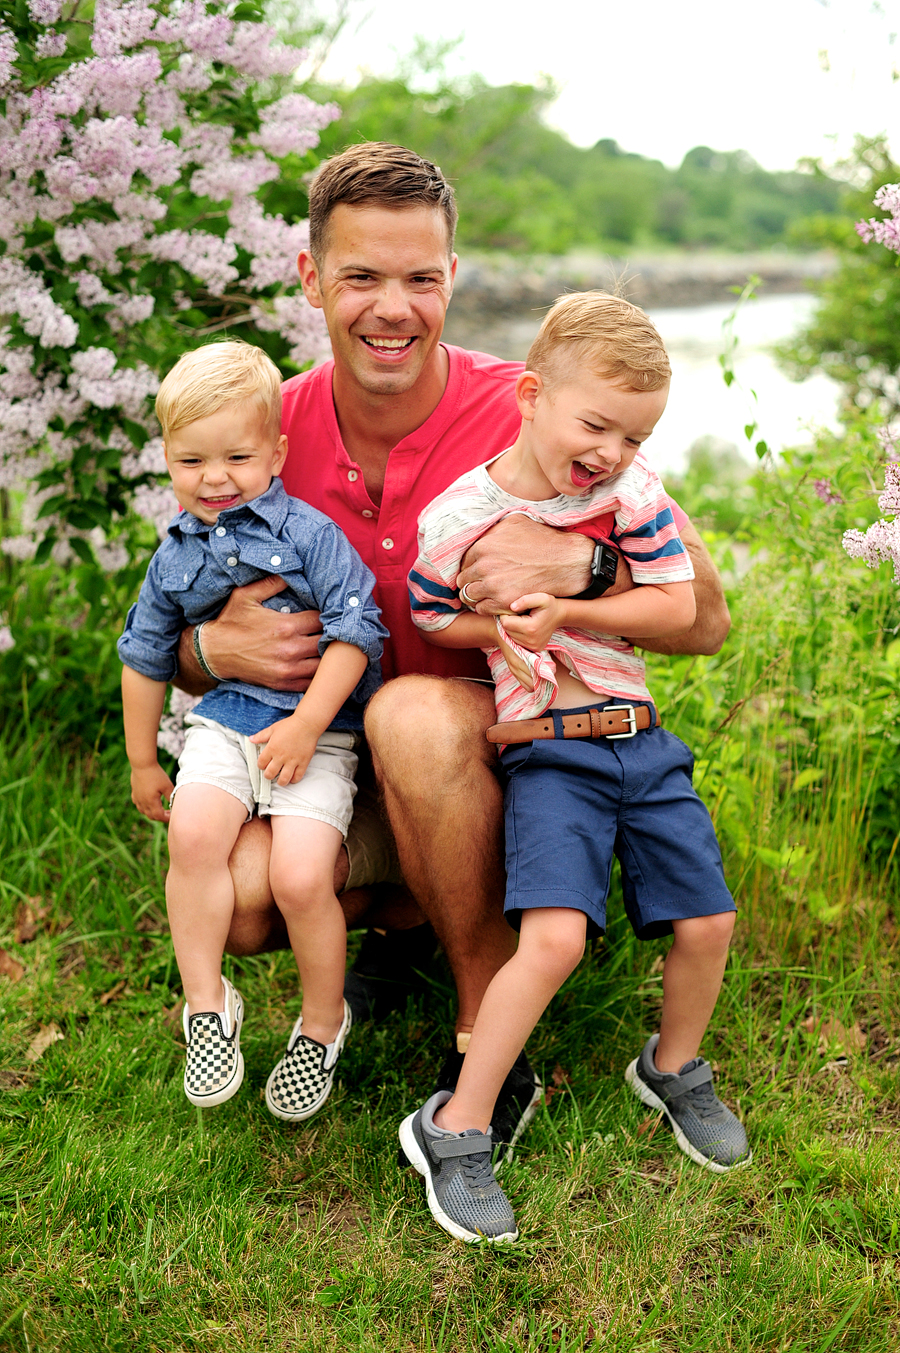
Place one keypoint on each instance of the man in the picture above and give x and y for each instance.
(373, 437)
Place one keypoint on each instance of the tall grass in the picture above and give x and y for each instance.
(129, 1221)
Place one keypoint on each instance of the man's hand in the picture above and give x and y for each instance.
(250, 642)
(543, 615)
(519, 557)
(288, 750)
(149, 786)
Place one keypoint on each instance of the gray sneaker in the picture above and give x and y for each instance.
(704, 1127)
(463, 1195)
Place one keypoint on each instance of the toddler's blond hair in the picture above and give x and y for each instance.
(611, 337)
(206, 380)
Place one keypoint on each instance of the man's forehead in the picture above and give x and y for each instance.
(416, 238)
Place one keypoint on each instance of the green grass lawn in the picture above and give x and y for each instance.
(130, 1220)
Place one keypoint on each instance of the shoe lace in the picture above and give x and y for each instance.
(477, 1169)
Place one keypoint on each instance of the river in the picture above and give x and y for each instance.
(700, 404)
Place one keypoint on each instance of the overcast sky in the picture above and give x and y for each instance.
(779, 78)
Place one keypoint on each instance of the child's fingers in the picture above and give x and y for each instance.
(263, 735)
(533, 601)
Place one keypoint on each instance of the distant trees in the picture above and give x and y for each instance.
(525, 187)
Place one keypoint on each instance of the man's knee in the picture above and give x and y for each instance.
(433, 725)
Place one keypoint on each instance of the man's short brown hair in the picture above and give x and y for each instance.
(611, 337)
(376, 173)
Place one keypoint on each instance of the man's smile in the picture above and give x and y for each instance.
(388, 345)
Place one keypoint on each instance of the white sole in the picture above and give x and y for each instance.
(653, 1101)
(416, 1158)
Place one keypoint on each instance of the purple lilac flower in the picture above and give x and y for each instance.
(826, 493)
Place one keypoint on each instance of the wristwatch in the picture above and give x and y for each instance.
(604, 566)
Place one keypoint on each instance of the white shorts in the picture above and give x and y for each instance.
(215, 755)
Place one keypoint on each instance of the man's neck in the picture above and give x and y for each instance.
(372, 425)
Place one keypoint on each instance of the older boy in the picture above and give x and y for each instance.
(589, 771)
(288, 755)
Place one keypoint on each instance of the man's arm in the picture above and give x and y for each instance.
(519, 556)
(249, 642)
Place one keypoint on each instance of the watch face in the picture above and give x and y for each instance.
(606, 564)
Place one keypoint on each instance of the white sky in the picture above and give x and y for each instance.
(779, 78)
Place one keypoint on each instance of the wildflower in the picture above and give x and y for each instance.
(826, 493)
(6, 639)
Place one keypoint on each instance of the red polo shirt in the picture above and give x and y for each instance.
(476, 419)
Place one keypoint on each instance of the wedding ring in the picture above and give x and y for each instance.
(467, 599)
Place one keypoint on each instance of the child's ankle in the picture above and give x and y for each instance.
(206, 998)
(450, 1119)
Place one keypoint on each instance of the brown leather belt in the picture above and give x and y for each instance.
(616, 721)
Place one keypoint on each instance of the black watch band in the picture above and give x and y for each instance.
(604, 566)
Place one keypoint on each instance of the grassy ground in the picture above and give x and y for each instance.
(129, 1220)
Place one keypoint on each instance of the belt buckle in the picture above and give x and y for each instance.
(632, 721)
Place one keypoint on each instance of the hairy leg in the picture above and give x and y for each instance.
(551, 944)
(302, 873)
(204, 824)
(436, 773)
(692, 979)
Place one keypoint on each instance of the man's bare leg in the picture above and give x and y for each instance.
(445, 805)
(258, 926)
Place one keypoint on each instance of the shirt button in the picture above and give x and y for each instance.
(231, 561)
(353, 601)
(388, 543)
(185, 577)
(366, 512)
(276, 560)
(220, 530)
(353, 475)
(285, 610)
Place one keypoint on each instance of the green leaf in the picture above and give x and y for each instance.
(82, 549)
(749, 429)
(762, 449)
(810, 776)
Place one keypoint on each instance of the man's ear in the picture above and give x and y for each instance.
(280, 455)
(309, 278)
(529, 387)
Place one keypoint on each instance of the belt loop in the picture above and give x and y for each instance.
(557, 722)
(596, 722)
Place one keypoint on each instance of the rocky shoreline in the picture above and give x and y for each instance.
(505, 285)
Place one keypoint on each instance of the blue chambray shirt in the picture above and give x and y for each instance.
(196, 568)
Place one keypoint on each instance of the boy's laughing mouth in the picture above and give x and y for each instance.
(585, 475)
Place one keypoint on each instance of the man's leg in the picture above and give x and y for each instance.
(258, 927)
(436, 773)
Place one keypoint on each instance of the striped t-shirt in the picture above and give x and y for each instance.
(644, 531)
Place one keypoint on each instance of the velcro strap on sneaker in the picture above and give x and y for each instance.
(689, 1081)
(446, 1148)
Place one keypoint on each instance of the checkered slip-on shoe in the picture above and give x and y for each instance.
(215, 1067)
(301, 1082)
(704, 1127)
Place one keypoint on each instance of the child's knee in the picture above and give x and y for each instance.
(705, 934)
(193, 846)
(557, 947)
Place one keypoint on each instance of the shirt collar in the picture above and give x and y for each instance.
(271, 507)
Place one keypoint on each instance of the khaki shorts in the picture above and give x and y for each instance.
(370, 842)
(215, 755)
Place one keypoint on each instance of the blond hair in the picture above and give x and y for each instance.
(206, 380)
(607, 334)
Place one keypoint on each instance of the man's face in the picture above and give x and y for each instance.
(384, 284)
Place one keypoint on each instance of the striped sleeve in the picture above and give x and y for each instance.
(433, 594)
(646, 534)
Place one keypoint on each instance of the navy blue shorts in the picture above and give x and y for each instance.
(572, 804)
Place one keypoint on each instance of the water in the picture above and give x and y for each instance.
(700, 404)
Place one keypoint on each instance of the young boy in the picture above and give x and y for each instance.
(288, 755)
(589, 771)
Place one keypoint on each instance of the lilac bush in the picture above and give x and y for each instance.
(134, 141)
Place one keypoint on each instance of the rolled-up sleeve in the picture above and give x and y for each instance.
(342, 586)
(149, 642)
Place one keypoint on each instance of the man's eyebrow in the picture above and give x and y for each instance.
(349, 268)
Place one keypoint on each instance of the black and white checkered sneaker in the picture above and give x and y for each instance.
(301, 1082)
(704, 1127)
(215, 1067)
(463, 1195)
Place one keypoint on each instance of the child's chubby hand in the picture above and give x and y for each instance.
(545, 614)
(289, 745)
(149, 786)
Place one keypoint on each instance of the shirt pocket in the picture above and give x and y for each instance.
(181, 577)
(272, 557)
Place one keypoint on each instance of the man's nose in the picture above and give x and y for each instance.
(392, 302)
